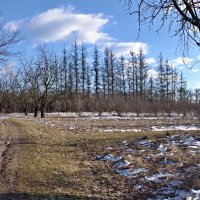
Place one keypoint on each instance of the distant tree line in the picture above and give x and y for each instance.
(73, 81)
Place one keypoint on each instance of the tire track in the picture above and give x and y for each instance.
(5, 145)
(7, 179)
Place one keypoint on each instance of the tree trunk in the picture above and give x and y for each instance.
(25, 111)
(42, 112)
(35, 111)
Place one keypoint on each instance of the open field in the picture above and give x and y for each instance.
(66, 157)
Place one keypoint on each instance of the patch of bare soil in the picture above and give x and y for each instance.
(10, 159)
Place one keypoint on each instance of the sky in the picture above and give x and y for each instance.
(104, 22)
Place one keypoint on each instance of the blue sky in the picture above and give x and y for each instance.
(105, 22)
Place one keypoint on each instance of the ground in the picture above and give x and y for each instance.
(70, 157)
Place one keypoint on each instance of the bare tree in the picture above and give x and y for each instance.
(134, 66)
(151, 88)
(75, 65)
(112, 71)
(88, 80)
(107, 70)
(65, 65)
(83, 69)
(32, 76)
(197, 96)
(143, 70)
(182, 90)
(122, 67)
(182, 17)
(174, 82)
(161, 75)
(7, 41)
(96, 69)
(8, 89)
(42, 75)
(47, 83)
(22, 92)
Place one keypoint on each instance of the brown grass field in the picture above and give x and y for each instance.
(56, 158)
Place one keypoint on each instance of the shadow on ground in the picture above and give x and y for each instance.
(24, 196)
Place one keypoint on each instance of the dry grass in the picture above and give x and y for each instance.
(46, 159)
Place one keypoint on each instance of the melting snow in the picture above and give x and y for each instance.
(122, 164)
(175, 194)
(129, 150)
(166, 161)
(124, 143)
(111, 158)
(125, 172)
(162, 148)
(164, 185)
(130, 173)
(120, 130)
(157, 178)
(144, 142)
(72, 128)
(190, 141)
(173, 128)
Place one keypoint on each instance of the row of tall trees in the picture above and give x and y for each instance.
(78, 81)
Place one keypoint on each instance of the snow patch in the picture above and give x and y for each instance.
(120, 130)
(173, 128)
(130, 173)
(124, 143)
(122, 164)
(157, 178)
(162, 148)
(111, 158)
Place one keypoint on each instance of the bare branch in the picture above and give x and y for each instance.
(182, 17)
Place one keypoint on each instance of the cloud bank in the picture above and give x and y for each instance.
(180, 61)
(65, 24)
(125, 47)
(60, 24)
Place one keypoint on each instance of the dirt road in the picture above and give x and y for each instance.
(9, 159)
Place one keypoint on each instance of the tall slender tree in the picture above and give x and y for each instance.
(134, 67)
(143, 72)
(88, 80)
(75, 65)
(96, 69)
(83, 69)
(182, 90)
(107, 70)
(161, 77)
(123, 75)
(112, 71)
(65, 69)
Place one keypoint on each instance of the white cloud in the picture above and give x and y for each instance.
(8, 68)
(124, 48)
(181, 61)
(14, 25)
(152, 73)
(194, 84)
(194, 70)
(65, 24)
(150, 60)
(61, 24)
(197, 85)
